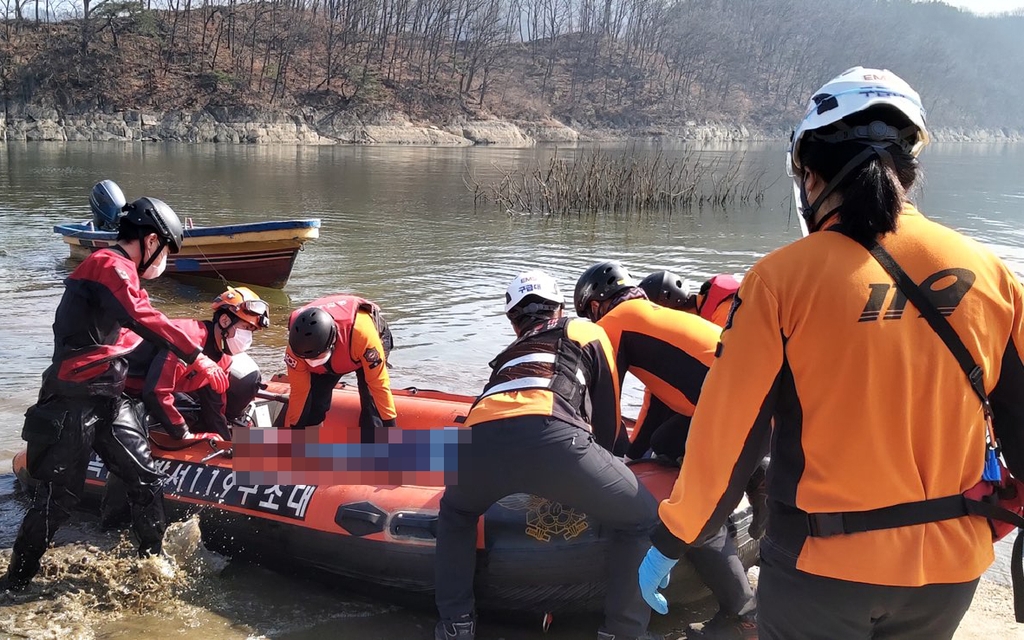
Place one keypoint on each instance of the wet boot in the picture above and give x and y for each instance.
(19, 573)
(462, 629)
(115, 511)
(726, 627)
(149, 523)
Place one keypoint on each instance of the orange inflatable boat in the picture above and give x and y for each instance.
(534, 555)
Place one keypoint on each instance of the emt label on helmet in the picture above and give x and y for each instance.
(532, 283)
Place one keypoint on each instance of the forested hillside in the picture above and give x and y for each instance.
(600, 62)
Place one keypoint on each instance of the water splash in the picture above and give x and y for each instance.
(82, 586)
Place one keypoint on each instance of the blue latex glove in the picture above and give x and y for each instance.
(654, 574)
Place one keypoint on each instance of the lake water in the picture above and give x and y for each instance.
(400, 227)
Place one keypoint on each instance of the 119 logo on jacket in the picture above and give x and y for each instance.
(946, 298)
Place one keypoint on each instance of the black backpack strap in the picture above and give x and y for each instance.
(935, 318)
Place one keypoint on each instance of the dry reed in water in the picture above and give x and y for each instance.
(592, 181)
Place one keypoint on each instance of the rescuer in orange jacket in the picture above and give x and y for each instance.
(868, 407)
(670, 352)
(664, 431)
(328, 338)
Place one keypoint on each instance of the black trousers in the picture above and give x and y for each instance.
(112, 428)
(318, 403)
(793, 605)
(552, 459)
(720, 568)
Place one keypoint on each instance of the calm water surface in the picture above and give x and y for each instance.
(398, 227)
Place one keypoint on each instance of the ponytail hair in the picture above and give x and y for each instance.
(873, 194)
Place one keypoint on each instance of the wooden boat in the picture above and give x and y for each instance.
(534, 556)
(257, 253)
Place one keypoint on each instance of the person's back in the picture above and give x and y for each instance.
(877, 428)
(669, 351)
(500, 399)
(864, 378)
(714, 300)
(544, 425)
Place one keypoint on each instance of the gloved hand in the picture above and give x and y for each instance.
(211, 372)
(654, 574)
(202, 435)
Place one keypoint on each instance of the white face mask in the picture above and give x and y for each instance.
(239, 342)
(156, 269)
(321, 360)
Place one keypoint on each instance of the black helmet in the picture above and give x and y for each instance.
(106, 201)
(150, 213)
(155, 214)
(600, 282)
(668, 290)
(312, 333)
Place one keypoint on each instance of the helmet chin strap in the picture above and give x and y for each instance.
(808, 210)
(146, 264)
(224, 335)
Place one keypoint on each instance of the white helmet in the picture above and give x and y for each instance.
(852, 91)
(532, 283)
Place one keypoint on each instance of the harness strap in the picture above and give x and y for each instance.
(519, 384)
(1017, 575)
(825, 525)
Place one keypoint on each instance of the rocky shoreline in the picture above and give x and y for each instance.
(312, 127)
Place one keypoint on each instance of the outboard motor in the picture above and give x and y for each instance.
(106, 202)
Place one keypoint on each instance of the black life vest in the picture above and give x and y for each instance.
(543, 358)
